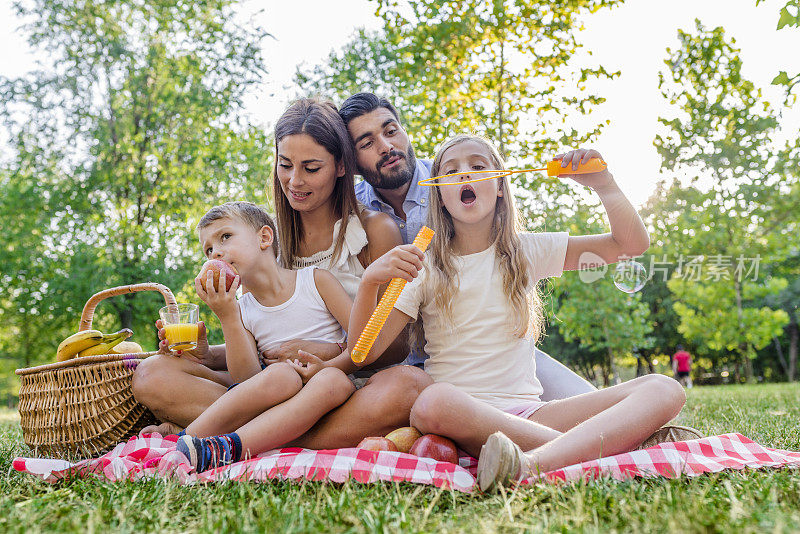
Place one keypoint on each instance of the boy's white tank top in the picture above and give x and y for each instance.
(303, 316)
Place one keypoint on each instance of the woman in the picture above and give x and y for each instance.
(320, 223)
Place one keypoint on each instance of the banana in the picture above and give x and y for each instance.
(109, 341)
(78, 342)
(127, 347)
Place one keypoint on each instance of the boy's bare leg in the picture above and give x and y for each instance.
(248, 400)
(280, 424)
(382, 405)
(177, 390)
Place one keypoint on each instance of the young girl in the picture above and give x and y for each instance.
(478, 302)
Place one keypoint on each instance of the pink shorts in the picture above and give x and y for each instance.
(525, 410)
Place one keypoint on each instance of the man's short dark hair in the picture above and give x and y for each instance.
(363, 103)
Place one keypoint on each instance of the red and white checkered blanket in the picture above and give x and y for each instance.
(155, 456)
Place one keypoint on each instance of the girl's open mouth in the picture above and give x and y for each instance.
(467, 194)
(299, 195)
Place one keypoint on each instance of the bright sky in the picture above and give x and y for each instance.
(631, 38)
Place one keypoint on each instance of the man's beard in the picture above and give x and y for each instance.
(393, 179)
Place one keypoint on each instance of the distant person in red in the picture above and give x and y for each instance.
(681, 365)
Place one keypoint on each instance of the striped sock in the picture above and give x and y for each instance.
(211, 452)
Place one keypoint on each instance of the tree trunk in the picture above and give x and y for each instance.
(781, 359)
(613, 366)
(126, 315)
(743, 348)
(26, 344)
(500, 119)
(748, 368)
(793, 340)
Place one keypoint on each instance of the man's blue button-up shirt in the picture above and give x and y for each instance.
(415, 205)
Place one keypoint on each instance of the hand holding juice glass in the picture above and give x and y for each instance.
(180, 325)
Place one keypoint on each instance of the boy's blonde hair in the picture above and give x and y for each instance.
(247, 212)
(527, 317)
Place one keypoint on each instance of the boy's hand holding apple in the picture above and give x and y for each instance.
(221, 300)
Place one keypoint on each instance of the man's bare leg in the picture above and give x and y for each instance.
(381, 406)
(176, 390)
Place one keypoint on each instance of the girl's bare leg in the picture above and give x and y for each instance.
(281, 424)
(605, 422)
(248, 400)
(446, 410)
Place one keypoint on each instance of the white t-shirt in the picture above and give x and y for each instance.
(303, 316)
(478, 352)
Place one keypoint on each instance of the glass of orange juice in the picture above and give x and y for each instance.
(180, 323)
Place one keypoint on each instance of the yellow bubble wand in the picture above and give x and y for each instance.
(384, 308)
(553, 169)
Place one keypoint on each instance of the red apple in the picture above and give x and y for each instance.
(436, 447)
(404, 437)
(377, 444)
(218, 267)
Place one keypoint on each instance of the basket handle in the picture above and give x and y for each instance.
(91, 304)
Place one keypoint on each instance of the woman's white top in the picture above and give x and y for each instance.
(346, 268)
(478, 351)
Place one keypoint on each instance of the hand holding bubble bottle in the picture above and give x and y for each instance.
(381, 313)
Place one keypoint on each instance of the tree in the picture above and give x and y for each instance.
(789, 17)
(128, 134)
(723, 129)
(589, 310)
(502, 68)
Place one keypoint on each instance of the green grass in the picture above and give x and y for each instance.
(766, 500)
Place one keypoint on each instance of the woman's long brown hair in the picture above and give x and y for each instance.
(320, 120)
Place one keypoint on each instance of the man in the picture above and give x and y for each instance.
(391, 175)
(682, 366)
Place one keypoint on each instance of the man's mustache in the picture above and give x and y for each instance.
(390, 155)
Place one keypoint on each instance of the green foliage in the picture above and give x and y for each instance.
(504, 69)
(712, 325)
(723, 128)
(789, 16)
(119, 144)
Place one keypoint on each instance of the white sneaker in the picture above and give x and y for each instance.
(501, 461)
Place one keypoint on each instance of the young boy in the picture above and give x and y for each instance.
(269, 407)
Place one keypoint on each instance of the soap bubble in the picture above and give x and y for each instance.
(630, 276)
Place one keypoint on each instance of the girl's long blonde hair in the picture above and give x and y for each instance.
(527, 318)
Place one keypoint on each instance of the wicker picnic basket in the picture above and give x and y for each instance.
(84, 406)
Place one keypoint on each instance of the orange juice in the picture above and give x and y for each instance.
(181, 336)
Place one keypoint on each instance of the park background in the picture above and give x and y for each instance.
(124, 122)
